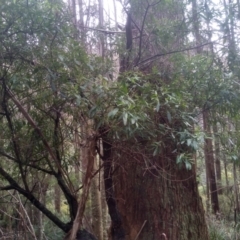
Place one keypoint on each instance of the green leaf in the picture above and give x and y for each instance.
(125, 118)
(78, 100)
(113, 112)
(100, 123)
(234, 158)
(189, 142)
(61, 57)
(90, 66)
(179, 159)
(169, 117)
(92, 111)
(188, 165)
(195, 145)
(77, 62)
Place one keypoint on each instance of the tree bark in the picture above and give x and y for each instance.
(160, 203)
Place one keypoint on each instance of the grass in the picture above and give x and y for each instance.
(222, 229)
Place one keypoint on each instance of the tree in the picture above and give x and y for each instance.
(61, 111)
(36, 110)
(154, 192)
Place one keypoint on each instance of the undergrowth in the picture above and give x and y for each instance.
(221, 229)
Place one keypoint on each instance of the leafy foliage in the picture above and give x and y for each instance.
(62, 89)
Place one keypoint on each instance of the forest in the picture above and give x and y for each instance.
(119, 120)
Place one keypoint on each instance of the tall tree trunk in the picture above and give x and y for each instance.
(81, 24)
(106, 221)
(96, 205)
(209, 161)
(215, 128)
(217, 159)
(73, 5)
(195, 19)
(101, 25)
(116, 230)
(77, 224)
(236, 189)
(207, 183)
(208, 146)
(226, 172)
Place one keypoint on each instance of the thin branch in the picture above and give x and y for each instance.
(150, 59)
(132, 20)
(6, 188)
(13, 137)
(140, 230)
(61, 176)
(34, 201)
(141, 34)
(39, 132)
(24, 216)
(8, 156)
(27, 164)
(102, 30)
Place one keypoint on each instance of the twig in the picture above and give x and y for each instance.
(164, 235)
(141, 33)
(102, 30)
(150, 59)
(30, 228)
(140, 230)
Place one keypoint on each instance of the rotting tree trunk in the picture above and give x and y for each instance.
(158, 203)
